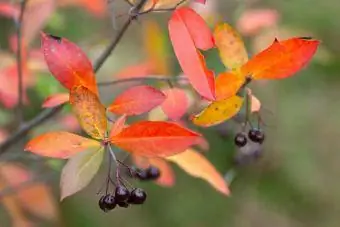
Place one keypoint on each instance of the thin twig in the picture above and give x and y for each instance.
(152, 78)
(46, 114)
(19, 26)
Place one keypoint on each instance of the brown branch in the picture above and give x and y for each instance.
(46, 114)
(19, 26)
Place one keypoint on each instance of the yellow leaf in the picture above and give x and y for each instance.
(231, 47)
(198, 166)
(158, 4)
(155, 47)
(218, 112)
(90, 112)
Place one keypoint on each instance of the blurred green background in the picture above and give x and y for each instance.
(294, 184)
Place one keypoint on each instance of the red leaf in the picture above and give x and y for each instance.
(183, 40)
(201, 1)
(144, 69)
(56, 100)
(137, 100)
(155, 138)
(68, 63)
(9, 10)
(176, 103)
(59, 144)
(282, 59)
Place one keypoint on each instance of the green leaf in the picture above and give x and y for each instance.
(79, 171)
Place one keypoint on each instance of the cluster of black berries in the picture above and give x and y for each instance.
(150, 173)
(255, 135)
(122, 197)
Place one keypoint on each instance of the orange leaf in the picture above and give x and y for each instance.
(56, 100)
(59, 144)
(230, 46)
(282, 59)
(68, 63)
(176, 103)
(197, 165)
(90, 112)
(118, 126)
(137, 100)
(36, 198)
(228, 84)
(155, 138)
(190, 59)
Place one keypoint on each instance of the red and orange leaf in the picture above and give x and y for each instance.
(228, 84)
(155, 138)
(176, 103)
(197, 165)
(36, 198)
(137, 100)
(118, 126)
(68, 63)
(230, 46)
(190, 59)
(56, 100)
(90, 112)
(59, 144)
(282, 59)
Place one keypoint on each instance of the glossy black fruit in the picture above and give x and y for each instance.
(123, 204)
(137, 196)
(153, 173)
(121, 194)
(240, 140)
(256, 135)
(142, 174)
(107, 203)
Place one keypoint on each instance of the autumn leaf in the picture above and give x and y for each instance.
(79, 171)
(137, 100)
(90, 112)
(155, 138)
(230, 46)
(68, 63)
(198, 166)
(36, 198)
(59, 144)
(218, 112)
(185, 40)
(118, 126)
(176, 103)
(158, 4)
(282, 59)
(228, 84)
(155, 47)
(56, 100)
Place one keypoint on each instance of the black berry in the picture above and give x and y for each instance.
(240, 140)
(256, 135)
(121, 194)
(102, 204)
(107, 203)
(110, 202)
(123, 204)
(153, 173)
(137, 196)
(142, 174)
